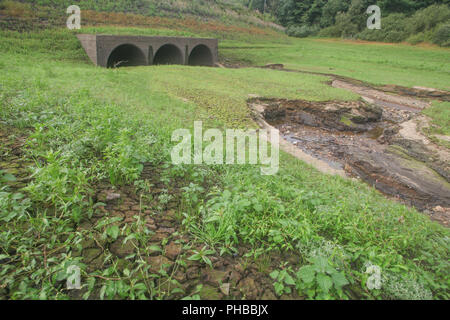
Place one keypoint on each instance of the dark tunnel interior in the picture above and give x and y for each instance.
(126, 55)
(201, 56)
(168, 54)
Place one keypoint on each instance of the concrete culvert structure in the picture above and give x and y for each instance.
(168, 54)
(126, 55)
(201, 55)
(119, 51)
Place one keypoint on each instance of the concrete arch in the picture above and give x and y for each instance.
(126, 55)
(108, 50)
(168, 54)
(201, 55)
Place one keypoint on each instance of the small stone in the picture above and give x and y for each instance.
(225, 288)
(112, 196)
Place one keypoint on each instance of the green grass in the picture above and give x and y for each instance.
(439, 112)
(90, 123)
(372, 62)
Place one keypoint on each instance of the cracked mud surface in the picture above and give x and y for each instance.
(231, 276)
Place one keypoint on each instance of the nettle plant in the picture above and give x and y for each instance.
(320, 280)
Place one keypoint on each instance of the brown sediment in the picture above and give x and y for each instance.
(379, 143)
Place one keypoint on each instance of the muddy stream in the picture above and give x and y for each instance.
(377, 139)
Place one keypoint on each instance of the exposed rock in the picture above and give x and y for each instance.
(225, 288)
(383, 146)
(112, 196)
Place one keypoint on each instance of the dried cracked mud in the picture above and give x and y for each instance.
(378, 139)
(231, 277)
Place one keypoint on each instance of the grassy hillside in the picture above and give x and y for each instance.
(153, 13)
(72, 133)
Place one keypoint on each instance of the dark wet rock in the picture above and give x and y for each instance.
(418, 150)
(335, 115)
(381, 146)
(419, 92)
(275, 66)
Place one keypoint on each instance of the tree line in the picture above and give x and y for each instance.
(402, 20)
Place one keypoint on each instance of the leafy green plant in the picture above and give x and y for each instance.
(202, 255)
(320, 280)
(283, 281)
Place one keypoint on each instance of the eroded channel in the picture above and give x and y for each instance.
(377, 139)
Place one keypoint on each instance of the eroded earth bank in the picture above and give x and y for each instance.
(378, 139)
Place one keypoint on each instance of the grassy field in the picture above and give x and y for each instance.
(84, 125)
(388, 63)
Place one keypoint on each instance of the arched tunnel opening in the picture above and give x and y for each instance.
(201, 56)
(168, 54)
(126, 55)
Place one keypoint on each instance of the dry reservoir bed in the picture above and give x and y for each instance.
(378, 139)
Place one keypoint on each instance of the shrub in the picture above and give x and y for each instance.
(416, 38)
(332, 32)
(442, 36)
(344, 23)
(428, 18)
(393, 29)
(302, 31)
